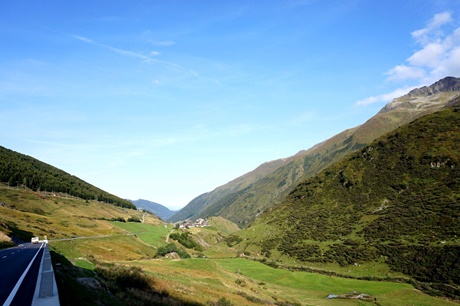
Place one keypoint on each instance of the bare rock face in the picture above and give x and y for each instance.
(420, 99)
(445, 85)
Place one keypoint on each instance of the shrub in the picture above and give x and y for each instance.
(118, 219)
(170, 248)
(185, 238)
(124, 277)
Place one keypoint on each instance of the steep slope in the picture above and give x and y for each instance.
(155, 208)
(244, 198)
(396, 199)
(201, 202)
(17, 169)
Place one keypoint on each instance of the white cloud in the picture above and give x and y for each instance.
(433, 28)
(429, 56)
(438, 56)
(368, 101)
(384, 97)
(84, 39)
(403, 72)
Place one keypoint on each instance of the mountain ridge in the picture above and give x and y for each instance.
(155, 208)
(243, 198)
(17, 169)
(394, 201)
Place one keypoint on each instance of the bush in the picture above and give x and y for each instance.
(223, 302)
(232, 240)
(118, 219)
(124, 277)
(171, 248)
(185, 238)
(133, 287)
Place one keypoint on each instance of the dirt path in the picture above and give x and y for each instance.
(167, 236)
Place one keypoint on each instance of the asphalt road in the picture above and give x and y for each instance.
(13, 263)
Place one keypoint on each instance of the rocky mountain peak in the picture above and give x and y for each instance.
(420, 99)
(444, 85)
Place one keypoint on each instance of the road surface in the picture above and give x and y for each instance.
(13, 264)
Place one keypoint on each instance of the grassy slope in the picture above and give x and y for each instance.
(245, 282)
(27, 213)
(247, 196)
(198, 281)
(17, 169)
(201, 280)
(387, 200)
(197, 205)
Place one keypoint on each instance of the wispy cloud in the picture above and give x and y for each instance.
(384, 97)
(84, 39)
(438, 56)
(148, 34)
(403, 72)
(164, 43)
(432, 29)
(143, 57)
(146, 58)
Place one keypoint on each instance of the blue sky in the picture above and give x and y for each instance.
(166, 100)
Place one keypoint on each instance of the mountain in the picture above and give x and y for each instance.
(17, 169)
(394, 202)
(244, 198)
(155, 208)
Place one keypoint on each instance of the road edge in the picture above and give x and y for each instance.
(46, 292)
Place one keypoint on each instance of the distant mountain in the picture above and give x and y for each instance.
(155, 208)
(17, 169)
(395, 201)
(244, 198)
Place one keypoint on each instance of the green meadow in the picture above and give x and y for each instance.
(246, 282)
(152, 235)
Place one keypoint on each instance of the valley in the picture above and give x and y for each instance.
(218, 275)
(365, 218)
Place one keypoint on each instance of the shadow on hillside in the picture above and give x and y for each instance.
(108, 284)
(18, 236)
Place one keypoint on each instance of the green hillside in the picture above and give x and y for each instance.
(98, 261)
(247, 196)
(195, 208)
(394, 202)
(17, 169)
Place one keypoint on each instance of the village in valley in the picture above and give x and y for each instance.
(200, 222)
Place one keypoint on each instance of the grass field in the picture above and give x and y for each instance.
(38, 214)
(320, 286)
(152, 235)
(91, 239)
(245, 282)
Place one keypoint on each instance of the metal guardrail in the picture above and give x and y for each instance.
(46, 292)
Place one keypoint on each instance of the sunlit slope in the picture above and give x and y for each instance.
(396, 200)
(18, 170)
(247, 196)
(243, 282)
(25, 213)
